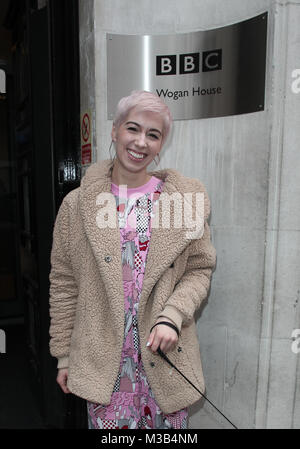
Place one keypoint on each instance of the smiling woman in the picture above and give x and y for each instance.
(120, 314)
(141, 126)
(137, 142)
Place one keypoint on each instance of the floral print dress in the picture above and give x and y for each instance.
(133, 405)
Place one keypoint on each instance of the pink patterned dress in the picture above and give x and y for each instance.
(133, 405)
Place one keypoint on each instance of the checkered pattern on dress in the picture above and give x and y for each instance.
(142, 202)
(136, 340)
(137, 374)
(109, 424)
(134, 321)
(117, 383)
(138, 261)
(176, 421)
(142, 422)
(142, 215)
(142, 222)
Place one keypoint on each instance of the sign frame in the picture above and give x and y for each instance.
(209, 73)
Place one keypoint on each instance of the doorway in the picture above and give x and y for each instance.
(40, 164)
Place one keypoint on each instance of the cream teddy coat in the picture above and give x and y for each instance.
(87, 298)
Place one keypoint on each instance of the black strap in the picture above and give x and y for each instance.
(163, 355)
(168, 324)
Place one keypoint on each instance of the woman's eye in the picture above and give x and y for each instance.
(154, 136)
(131, 128)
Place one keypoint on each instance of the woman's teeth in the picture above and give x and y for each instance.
(136, 155)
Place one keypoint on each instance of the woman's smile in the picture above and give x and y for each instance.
(136, 156)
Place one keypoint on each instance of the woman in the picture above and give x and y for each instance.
(124, 282)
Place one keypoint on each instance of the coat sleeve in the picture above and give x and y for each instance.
(63, 289)
(193, 286)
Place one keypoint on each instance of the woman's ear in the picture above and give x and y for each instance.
(113, 133)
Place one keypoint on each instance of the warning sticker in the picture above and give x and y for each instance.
(86, 143)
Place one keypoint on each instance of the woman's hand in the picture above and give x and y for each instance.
(162, 336)
(62, 378)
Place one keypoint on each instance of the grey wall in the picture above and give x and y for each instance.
(87, 66)
(250, 165)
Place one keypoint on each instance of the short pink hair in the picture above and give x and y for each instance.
(144, 101)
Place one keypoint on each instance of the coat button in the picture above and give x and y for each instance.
(179, 349)
(152, 364)
(107, 258)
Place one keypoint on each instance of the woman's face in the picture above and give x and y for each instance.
(138, 140)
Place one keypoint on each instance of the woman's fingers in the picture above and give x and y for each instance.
(162, 337)
(62, 378)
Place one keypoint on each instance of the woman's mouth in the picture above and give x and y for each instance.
(136, 156)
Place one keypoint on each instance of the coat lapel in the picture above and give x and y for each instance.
(104, 241)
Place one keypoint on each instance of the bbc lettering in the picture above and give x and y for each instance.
(189, 63)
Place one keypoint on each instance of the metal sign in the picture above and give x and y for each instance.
(200, 74)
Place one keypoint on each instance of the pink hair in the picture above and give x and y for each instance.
(143, 101)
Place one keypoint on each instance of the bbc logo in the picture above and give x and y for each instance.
(189, 63)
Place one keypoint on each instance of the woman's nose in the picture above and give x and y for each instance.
(141, 140)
